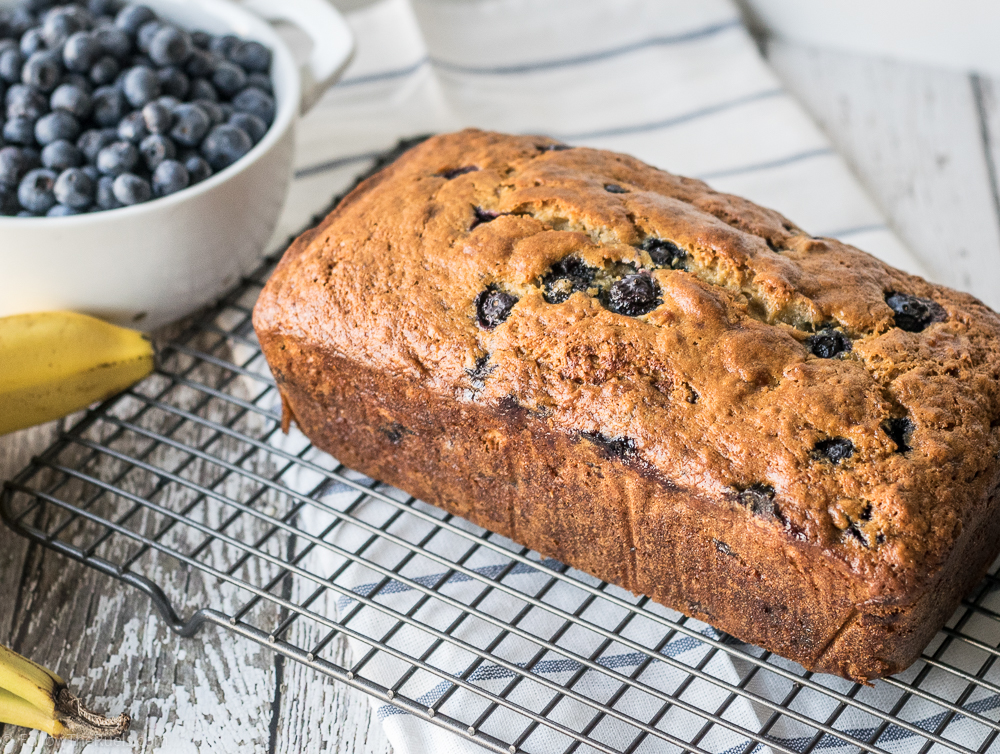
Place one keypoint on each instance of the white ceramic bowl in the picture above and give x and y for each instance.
(153, 263)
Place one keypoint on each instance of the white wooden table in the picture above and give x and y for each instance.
(924, 142)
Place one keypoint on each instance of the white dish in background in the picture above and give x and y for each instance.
(152, 263)
(957, 34)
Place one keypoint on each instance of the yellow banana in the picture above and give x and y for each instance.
(34, 697)
(54, 363)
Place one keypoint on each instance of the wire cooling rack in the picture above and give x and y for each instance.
(188, 474)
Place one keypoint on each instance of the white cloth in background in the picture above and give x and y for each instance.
(681, 86)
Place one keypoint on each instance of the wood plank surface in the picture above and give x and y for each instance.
(925, 143)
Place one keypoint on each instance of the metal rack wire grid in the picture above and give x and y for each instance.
(188, 474)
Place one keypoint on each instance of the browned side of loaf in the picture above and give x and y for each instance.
(509, 472)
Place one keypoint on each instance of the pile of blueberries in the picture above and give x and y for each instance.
(108, 105)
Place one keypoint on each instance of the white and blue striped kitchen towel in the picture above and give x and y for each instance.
(676, 83)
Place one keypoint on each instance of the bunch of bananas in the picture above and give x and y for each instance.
(52, 364)
(34, 697)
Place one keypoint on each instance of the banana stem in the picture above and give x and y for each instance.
(80, 723)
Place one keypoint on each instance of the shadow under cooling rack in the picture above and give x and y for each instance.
(188, 476)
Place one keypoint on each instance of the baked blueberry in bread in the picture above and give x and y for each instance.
(671, 388)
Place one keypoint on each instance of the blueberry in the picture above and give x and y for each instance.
(260, 81)
(169, 177)
(565, 278)
(78, 80)
(9, 205)
(253, 125)
(103, 7)
(131, 17)
(72, 99)
(634, 295)
(140, 61)
(759, 499)
(117, 158)
(900, 431)
(26, 100)
(32, 41)
(19, 21)
(105, 71)
(665, 253)
(11, 62)
(170, 46)
(828, 343)
(614, 188)
(145, 35)
(35, 190)
(913, 313)
(173, 81)
(200, 63)
(255, 102)
(156, 148)
(59, 25)
(58, 124)
(198, 169)
(455, 172)
(213, 110)
(133, 127)
(251, 56)
(223, 44)
(140, 85)
(62, 154)
(93, 141)
(92, 172)
(13, 166)
(131, 189)
(105, 197)
(493, 306)
(202, 89)
(114, 41)
(81, 51)
(836, 450)
(109, 106)
(74, 188)
(157, 117)
(19, 130)
(42, 70)
(191, 124)
(224, 145)
(229, 78)
(61, 210)
(201, 39)
(168, 102)
(481, 216)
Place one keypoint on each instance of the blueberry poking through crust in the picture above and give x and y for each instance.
(483, 216)
(913, 313)
(634, 295)
(836, 450)
(828, 343)
(493, 307)
(900, 431)
(665, 253)
(614, 188)
(449, 174)
(553, 147)
(566, 278)
(759, 499)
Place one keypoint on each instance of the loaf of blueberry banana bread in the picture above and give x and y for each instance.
(673, 389)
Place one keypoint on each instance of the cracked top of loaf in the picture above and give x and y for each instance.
(690, 334)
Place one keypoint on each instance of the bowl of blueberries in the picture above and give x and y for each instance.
(146, 148)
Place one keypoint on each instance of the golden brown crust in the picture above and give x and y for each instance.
(860, 482)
